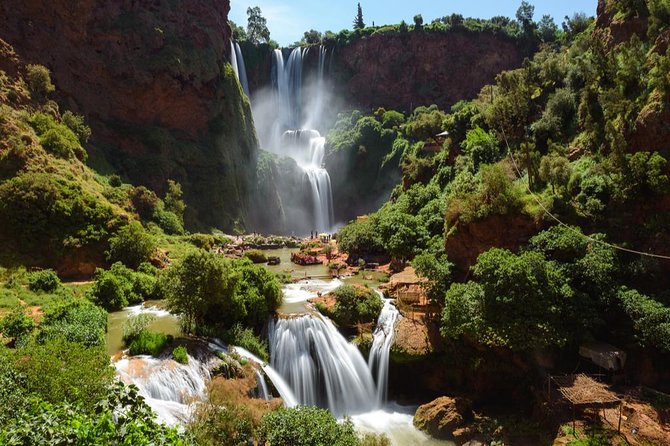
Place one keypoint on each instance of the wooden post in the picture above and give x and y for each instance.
(618, 429)
(574, 431)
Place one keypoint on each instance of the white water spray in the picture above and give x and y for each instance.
(378, 361)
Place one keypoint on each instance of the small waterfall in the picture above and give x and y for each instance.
(378, 361)
(321, 367)
(262, 386)
(282, 387)
(167, 386)
(240, 69)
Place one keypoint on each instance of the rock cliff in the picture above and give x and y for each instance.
(152, 80)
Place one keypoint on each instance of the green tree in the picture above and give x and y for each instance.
(238, 32)
(358, 20)
(46, 280)
(77, 124)
(547, 28)
(312, 37)
(355, 304)
(524, 16)
(131, 245)
(39, 81)
(555, 170)
(257, 28)
(418, 21)
(196, 286)
(482, 147)
(437, 270)
(174, 201)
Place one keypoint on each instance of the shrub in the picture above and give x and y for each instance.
(77, 124)
(131, 245)
(16, 324)
(355, 304)
(115, 180)
(148, 343)
(202, 241)
(245, 338)
(144, 201)
(46, 280)
(56, 138)
(39, 81)
(135, 325)
(168, 221)
(256, 256)
(59, 371)
(75, 321)
(306, 426)
(180, 355)
(482, 147)
(651, 319)
(360, 238)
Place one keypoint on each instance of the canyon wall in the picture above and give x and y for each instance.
(152, 80)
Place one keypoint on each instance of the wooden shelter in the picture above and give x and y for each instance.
(583, 391)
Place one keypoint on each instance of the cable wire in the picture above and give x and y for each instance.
(571, 228)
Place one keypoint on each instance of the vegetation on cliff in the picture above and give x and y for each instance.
(571, 134)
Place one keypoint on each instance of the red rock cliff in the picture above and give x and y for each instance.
(422, 68)
(150, 77)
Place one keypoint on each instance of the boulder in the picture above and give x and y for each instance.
(441, 417)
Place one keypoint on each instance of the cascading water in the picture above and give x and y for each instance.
(167, 386)
(290, 134)
(378, 361)
(240, 69)
(322, 368)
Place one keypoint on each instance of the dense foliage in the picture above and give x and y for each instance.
(306, 426)
(355, 305)
(212, 292)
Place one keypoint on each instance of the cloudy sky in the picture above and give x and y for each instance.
(289, 19)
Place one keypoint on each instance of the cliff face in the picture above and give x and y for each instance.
(422, 68)
(151, 79)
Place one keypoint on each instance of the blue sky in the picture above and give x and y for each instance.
(289, 19)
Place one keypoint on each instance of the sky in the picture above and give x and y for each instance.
(289, 19)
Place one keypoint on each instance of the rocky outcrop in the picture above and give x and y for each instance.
(619, 27)
(464, 244)
(441, 417)
(152, 80)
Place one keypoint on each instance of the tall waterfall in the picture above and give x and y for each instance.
(292, 136)
(240, 69)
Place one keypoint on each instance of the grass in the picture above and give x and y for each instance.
(180, 355)
(371, 279)
(149, 343)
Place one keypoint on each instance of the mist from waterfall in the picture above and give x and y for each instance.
(289, 118)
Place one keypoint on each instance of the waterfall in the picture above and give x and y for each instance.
(167, 386)
(322, 368)
(378, 361)
(262, 386)
(282, 387)
(292, 136)
(240, 69)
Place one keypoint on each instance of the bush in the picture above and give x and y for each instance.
(16, 324)
(256, 256)
(75, 321)
(115, 180)
(120, 286)
(135, 325)
(131, 245)
(144, 201)
(651, 319)
(60, 371)
(360, 238)
(306, 426)
(202, 241)
(355, 304)
(482, 147)
(77, 124)
(148, 343)
(57, 138)
(46, 280)
(168, 221)
(245, 338)
(39, 81)
(180, 355)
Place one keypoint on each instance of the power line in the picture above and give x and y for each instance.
(571, 228)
